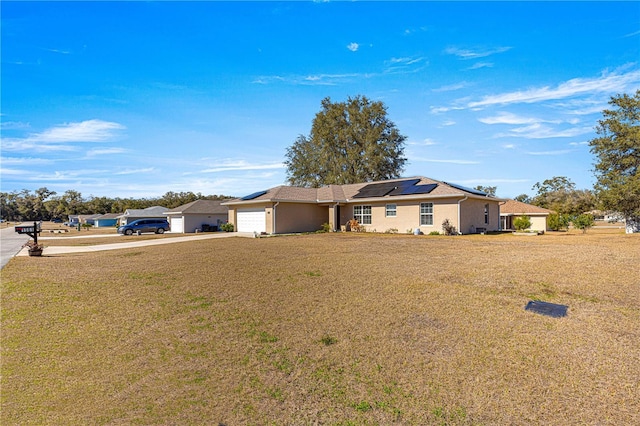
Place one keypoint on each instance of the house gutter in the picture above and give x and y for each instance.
(460, 202)
(273, 227)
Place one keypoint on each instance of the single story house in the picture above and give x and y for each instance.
(73, 220)
(511, 209)
(155, 212)
(396, 205)
(106, 220)
(199, 215)
(88, 219)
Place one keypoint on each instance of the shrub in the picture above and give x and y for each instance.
(448, 228)
(521, 223)
(434, 233)
(227, 227)
(326, 227)
(583, 222)
(558, 221)
(391, 231)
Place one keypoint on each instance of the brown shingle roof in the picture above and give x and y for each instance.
(516, 207)
(201, 207)
(335, 193)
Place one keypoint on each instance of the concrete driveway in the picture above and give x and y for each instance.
(11, 244)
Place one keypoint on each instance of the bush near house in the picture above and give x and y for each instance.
(521, 223)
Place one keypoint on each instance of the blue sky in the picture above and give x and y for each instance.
(135, 99)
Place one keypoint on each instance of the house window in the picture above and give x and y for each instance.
(486, 214)
(362, 214)
(391, 210)
(426, 214)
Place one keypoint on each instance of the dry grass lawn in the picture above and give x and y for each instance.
(343, 329)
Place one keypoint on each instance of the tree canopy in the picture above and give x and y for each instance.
(560, 195)
(352, 141)
(617, 149)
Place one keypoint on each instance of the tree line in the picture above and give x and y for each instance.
(43, 204)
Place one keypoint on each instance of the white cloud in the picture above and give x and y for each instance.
(550, 153)
(510, 118)
(607, 83)
(84, 131)
(105, 151)
(135, 171)
(474, 54)
(542, 131)
(479, 65)
(353, 47)
(24, 160)
(12, 125)
(425, 142)
(236, 165)
(451, 87)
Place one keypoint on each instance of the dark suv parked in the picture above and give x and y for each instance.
(144, 225)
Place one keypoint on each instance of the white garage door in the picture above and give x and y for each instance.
(252, 220)
(177, 224)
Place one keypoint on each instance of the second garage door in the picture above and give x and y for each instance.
(177, 224)
(252, 220)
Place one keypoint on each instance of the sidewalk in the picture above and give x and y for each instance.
(131, 244)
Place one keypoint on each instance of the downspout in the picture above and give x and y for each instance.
(273, 227)
(459, 223)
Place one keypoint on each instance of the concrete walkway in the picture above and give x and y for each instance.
(129, 244)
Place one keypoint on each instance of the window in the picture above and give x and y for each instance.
(362, 214)
(486, 214)
(391, 210)
(426, 214)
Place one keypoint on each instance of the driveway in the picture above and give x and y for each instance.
(10, 244)
(16, 251)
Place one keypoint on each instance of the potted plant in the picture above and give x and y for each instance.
(34, 248)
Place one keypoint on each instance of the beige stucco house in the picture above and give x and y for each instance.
(400, 205)
(511, 209)
(196, 216)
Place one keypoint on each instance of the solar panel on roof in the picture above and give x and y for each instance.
(252, 196)
(402, 187)
(469, 190)
(419, 189)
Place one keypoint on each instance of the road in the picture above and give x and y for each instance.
(10, 244)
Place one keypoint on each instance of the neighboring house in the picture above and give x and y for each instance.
(199, 215)
(87, 218)
(511, 209)
(155, 212)
(73, 220)
(397, 205)
(106, 220)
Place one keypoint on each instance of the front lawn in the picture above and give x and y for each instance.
(341, 329)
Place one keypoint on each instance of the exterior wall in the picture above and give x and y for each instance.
(103, 223)
(296, 217)
(472, 216)
(538, 223)
(407, 217)
(195, 221)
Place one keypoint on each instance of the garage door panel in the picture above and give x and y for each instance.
(177, 224)
(252, 220)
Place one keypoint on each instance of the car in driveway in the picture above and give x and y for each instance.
(158, 226)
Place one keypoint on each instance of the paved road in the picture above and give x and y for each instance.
(10, 244)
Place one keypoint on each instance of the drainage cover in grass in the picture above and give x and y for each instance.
(546, 308)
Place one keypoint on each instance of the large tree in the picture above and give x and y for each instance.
(617, 149)
(350, 142)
